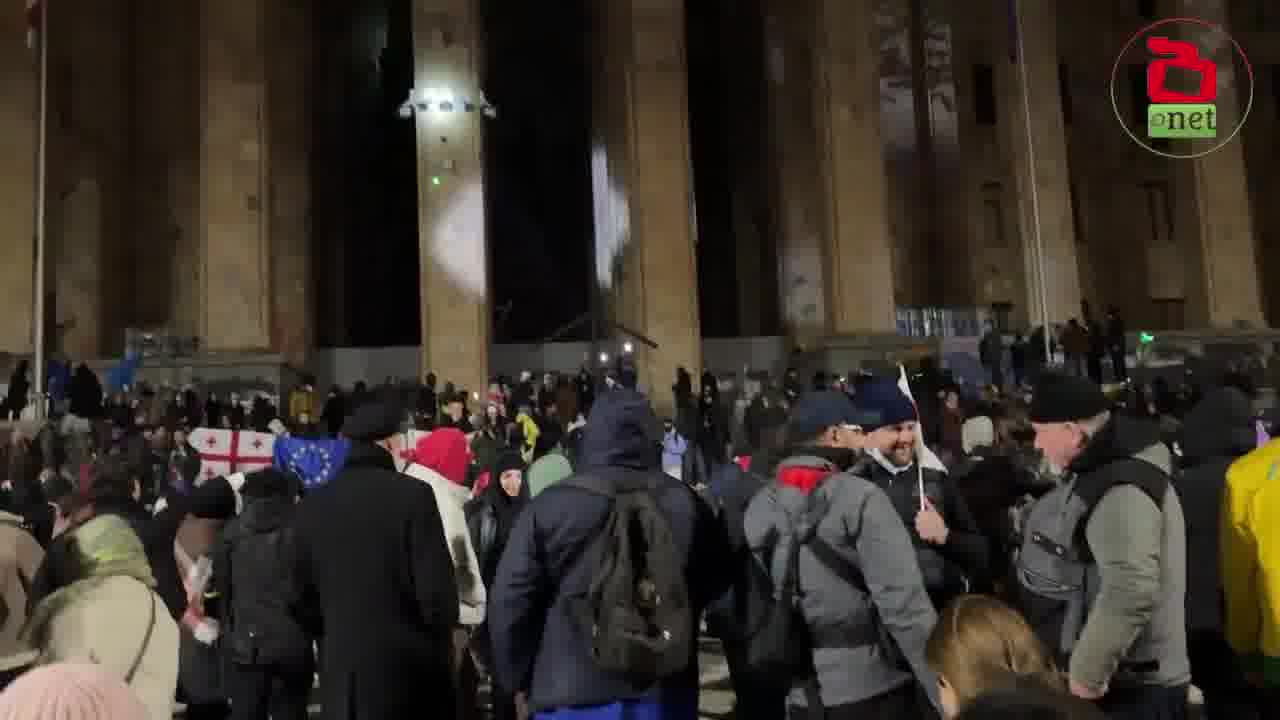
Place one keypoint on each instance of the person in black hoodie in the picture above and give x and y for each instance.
(538, 647)
(269, 653)
(490, 519)
(492, 515)
(1215, 433)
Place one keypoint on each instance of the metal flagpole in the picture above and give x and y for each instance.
(1038, 241)
(41, 361)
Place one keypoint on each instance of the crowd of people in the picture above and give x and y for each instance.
(555, 548)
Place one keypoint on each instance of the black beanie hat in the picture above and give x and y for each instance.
(1059, 397)
(377, 419)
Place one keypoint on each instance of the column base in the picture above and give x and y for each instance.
(222, 372)
(878, 353)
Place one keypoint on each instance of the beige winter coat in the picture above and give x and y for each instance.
(20, 558)
(107, 625)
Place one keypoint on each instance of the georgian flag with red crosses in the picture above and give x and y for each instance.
(223, 452)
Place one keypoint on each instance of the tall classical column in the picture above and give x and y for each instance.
(1044, 201)
(166, 175)
(740, 69)
(859, 260)
(452, 241)
(645, 235)
(289, 130)
(1223, 289)
(88, 178)
(797, 204)
(17, 183)
(235, 261)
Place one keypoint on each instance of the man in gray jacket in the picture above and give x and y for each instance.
(857, 673)
(1131, 655)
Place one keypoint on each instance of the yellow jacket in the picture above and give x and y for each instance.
(530, 430)
(1251, 560)
(302, 406)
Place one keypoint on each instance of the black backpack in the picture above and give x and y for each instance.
(261, 626)
(779, 643)
(637, 610)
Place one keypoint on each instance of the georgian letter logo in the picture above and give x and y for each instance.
(1174, 114)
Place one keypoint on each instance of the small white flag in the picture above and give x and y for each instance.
(925, 458)
(903, 384)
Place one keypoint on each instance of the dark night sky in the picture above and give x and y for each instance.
(537, 173)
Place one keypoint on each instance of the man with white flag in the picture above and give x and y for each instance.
(951, 550)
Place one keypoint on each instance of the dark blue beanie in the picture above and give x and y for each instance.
(882, 403)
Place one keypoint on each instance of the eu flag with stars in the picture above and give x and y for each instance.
(315, 460)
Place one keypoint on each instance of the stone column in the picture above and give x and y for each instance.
(984, 197)
(288, 105)
(1223, 289)
(235, 277)
(17, 183)
(1046, 142)
(797, 204)
(453, 243)
(859, 258)
(93, 276)
(644, 192)
(167, 121)
(741, 70)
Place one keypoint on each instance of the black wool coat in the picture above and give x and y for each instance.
(374, 566)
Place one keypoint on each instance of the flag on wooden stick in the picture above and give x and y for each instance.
(905, 387)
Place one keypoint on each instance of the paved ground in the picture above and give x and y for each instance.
(715, 702)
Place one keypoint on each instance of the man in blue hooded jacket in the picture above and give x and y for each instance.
(538, 648)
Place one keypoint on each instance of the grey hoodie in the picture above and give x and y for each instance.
(863, 527)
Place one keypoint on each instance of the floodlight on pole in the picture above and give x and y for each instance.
(443, 100)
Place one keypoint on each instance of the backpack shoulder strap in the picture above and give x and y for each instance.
(837, 563)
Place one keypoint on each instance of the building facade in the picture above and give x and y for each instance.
(886, 161)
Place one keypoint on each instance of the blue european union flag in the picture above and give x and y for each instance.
(315, 460)
(121, 375)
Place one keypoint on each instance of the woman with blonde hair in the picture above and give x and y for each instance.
(980, 644)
